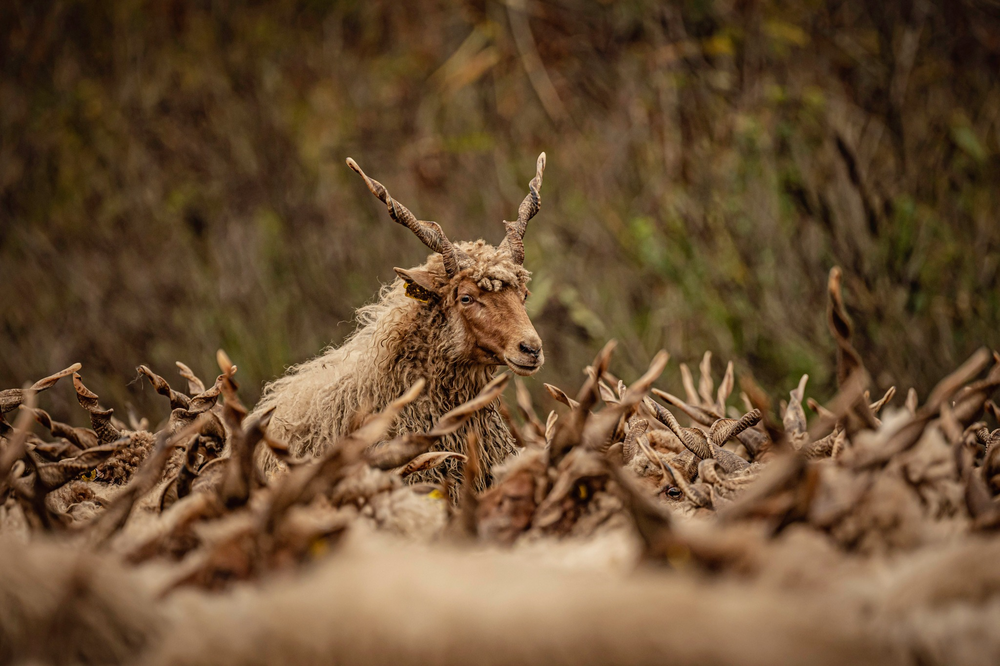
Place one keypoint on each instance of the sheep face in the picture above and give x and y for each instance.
(483, 305)
(496, 326)
(482, 288)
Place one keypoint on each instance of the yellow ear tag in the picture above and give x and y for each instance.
(318, 547)
(418, 293)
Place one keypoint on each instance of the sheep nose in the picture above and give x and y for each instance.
(531, 348)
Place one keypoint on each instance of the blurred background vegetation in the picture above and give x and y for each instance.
(172, 177)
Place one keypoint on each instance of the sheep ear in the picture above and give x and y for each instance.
(419, 284)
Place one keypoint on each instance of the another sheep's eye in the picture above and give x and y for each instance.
(465, 300)
(674, 492)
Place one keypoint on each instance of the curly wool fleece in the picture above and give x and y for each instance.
(398, 340)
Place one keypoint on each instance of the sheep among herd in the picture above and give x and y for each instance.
(410, 524)
(449, 322)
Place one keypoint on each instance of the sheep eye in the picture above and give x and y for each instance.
(465, 299)
(674, 492)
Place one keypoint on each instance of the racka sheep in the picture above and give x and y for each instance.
(451, 321)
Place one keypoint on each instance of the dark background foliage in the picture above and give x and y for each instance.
(172, 177)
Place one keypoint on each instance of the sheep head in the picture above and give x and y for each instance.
(479, 288)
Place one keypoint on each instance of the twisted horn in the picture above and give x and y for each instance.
(430, 233)
(514, 242)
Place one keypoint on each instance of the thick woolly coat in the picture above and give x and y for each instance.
(398, 341)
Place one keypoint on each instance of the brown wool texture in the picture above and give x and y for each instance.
(119, 468)
(398, 341)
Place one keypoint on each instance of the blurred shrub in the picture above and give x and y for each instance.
(172, 177)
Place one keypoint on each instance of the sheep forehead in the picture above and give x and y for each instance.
(491, 268)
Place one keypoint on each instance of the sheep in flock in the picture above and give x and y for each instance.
(450, 321)
(618, 533)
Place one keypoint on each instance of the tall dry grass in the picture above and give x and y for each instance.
(172, 177)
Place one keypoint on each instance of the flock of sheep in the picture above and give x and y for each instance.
(406, 523)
